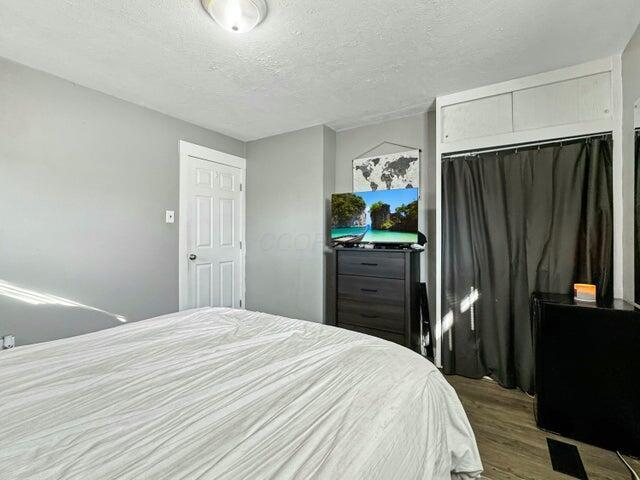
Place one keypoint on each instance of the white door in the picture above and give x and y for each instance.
(211, 194)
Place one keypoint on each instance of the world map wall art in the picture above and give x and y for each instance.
(387, 172)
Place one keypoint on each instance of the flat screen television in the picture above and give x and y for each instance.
(380, 216)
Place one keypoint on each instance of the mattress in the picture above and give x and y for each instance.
(228, 394)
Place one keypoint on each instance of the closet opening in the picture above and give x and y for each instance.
(515, 220)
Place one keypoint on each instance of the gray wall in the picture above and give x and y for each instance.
(290, 179)
(286, 206)
(415, 132)
(631, 93)
(85, 180)
(329, 165)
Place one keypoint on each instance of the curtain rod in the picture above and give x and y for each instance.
(473, 153)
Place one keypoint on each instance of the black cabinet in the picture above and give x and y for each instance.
(588, 371)
(377, 293)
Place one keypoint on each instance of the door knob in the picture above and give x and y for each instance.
(193, 256)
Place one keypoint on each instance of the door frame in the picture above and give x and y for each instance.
(188, 150)
(552, 132)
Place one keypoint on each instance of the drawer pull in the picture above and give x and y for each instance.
(369, 264)
(368, 316)
(372, 290)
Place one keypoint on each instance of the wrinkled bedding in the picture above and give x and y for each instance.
(228, 394)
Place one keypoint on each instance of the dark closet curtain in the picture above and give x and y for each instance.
(515, 222)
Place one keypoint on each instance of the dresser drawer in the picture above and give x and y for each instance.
(372, 315)
(371, 264)
(392, 337)
(370, 289)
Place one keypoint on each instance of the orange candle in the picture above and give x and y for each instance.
(584, 292)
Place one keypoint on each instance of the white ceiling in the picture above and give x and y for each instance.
(338, 62)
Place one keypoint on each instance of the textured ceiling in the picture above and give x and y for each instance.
(339, 62)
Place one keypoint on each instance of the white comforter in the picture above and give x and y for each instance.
(228, 394)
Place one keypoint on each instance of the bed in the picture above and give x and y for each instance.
(228, 394)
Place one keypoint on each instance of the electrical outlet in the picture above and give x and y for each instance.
(8, 341)
(170, 216)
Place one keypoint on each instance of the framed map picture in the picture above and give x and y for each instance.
(387, 172)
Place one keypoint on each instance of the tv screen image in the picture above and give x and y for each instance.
(381, 216)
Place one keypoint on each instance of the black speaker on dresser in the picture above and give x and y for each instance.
(588, 370)
(377, 293)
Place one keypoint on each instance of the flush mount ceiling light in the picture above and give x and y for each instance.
(237, 16)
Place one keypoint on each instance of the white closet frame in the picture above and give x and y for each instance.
(579, 100)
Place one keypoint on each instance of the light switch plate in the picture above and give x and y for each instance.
(170, 216)
(8, 341)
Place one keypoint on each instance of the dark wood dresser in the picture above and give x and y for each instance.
(588, 370)
(377, 293)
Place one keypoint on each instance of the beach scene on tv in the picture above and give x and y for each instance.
(380, 216)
